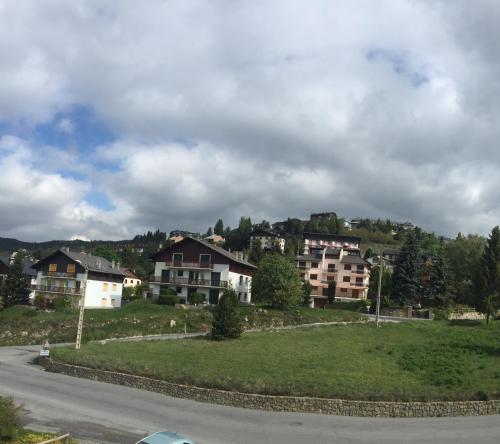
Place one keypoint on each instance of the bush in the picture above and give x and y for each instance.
(168, 299)
(62, 304)
(227, 320)
(196, 298)
(351, 306)
(9, 420)
(40, 302)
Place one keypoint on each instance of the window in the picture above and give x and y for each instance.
(355, 293)
(105, 286)
(246, 280)
(205, 260)
(343, 290)
(52, 268)
(346, 279)
(302, 264)
(113, 287)
(241, 280)
(71, 268)
(314, 265)
(361, 267)
(313, 276)
(347, 266)
(178, 289)
(104, 302)
(113, 302)
(359, 280)
(177, 259)
(126, 281)
(180, 273)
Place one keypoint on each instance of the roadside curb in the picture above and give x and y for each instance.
(340, 407)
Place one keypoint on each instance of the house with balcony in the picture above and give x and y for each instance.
(66, 273)
(196, 266)
(269, 240)
(332, 257)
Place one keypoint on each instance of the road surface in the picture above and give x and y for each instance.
(110, 414)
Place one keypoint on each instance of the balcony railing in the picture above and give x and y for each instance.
(56, 274)
(187, 281)
(358, 284)
(55, 289)
(182, 264)
(360, 272)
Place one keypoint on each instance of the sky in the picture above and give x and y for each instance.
(122, 116)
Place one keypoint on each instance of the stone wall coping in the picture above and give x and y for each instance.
(341, 407)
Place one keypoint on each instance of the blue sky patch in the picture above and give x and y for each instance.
(400, 64)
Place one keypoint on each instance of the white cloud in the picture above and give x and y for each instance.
(262, 108)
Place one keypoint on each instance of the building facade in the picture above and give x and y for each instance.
(327, 258)
(196, 266)
(131, 280)
(269, 240)
(65, 273)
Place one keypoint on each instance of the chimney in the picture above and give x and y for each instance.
(118, 265)
(113, 264)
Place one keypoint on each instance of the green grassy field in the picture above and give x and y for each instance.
(19, 325)
(435, 360)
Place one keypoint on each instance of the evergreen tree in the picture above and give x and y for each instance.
(227, 321)
(488, 280)
(406, 277)
(209, 232)
(15, 290)
(332, 288)
(219, 227)
(256, 253)
(307, 294)
(437, 293)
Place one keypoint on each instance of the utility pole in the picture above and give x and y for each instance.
(79, 330)
(380, 272)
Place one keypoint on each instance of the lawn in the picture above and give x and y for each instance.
(19, 325)
(434, 360)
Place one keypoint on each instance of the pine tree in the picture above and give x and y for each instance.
(256, 253)
(209, 232)
(406, 277)
(227, 321)
(487, 295)
(219, 227)
(15, 290)
(332, 288)
(307, 294)
(437, 293)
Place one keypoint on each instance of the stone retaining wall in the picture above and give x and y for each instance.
(282, 403)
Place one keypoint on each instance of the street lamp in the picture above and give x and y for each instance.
(380, 271)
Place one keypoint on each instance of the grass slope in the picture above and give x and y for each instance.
(433, 360)
(19, 325)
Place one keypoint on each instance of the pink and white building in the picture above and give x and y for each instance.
(332, 257)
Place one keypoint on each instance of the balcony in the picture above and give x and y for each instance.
(55, 289)
(358, 284)
(303, 267)
(181, 281)
(360, 272)
(55, 274)
(192, 265)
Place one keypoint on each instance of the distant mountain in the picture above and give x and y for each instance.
(9, 244)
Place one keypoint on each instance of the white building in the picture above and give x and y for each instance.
(196, 266)
(269, 240)
(66, 273)
(131, 280)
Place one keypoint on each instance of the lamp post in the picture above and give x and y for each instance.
(380, 271)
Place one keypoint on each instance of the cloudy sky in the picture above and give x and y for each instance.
(122, 116)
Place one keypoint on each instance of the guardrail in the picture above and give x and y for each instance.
(63, 439)
(187, 281)
(182, 264)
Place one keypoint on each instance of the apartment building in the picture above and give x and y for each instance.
(196, 266)
(331, 257)
(269, 240)
(66, 273)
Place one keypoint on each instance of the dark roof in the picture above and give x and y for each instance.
(129, 273)
(5, 260)
(264, 232)
(337, 237)
(28, 269)
(351, 259)
(213, 247)
(332, 251)
(92, 263)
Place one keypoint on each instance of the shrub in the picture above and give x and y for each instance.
(40, 302)
(227, 320)
(8, 419)
(62, 304)
(350, 306)
(196, 298)
(168, 299)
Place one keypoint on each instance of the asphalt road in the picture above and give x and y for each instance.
(111, 414)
